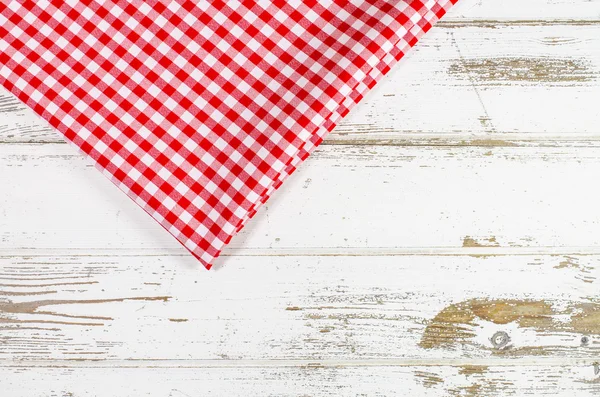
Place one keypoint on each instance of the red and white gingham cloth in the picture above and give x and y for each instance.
(199, 110)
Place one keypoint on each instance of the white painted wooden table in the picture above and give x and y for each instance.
(444, 241)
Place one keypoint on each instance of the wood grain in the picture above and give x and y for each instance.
(463, 381)
(397, 310)
(444, 241)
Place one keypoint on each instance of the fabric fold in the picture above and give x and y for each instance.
(200, 110)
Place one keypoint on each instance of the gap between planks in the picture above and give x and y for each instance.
(307, 252)
(220, 363)
(499, 139)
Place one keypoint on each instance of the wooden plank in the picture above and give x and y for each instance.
(304, 381)
(462, 85)
(509, 199)
(291, 310)
(474, 85)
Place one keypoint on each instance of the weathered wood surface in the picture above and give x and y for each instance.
(444, 241)
(282, 381)
(346, 199)
(391, 309)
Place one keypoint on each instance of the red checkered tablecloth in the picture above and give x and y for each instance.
(199, 110)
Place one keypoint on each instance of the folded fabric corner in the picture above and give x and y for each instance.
(200, 110)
